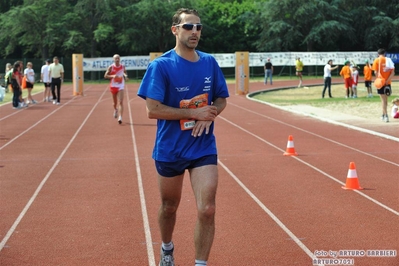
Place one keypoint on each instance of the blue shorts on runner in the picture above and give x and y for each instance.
(171, 169)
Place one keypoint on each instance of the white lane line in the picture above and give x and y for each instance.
(34, 125)
(146, 223)
(37, 123)
(20, 110)
(43, 182)
(316, 135)
(313, 167)
(371, 132)
(270, 213)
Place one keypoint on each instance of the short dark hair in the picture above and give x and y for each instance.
(48, 60)
(381, 51)
(176, 19)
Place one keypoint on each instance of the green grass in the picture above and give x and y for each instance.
(9, 95)
(312, 96)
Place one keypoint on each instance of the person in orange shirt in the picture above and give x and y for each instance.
(385, 67)
(367, 72)
(346, 73)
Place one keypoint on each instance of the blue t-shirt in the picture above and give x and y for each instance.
(171, 79)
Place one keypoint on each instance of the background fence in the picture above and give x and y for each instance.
(229, 72)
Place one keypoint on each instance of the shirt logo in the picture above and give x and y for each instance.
(182, 89)
(208, 79)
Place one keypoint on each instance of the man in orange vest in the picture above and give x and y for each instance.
(385, 68)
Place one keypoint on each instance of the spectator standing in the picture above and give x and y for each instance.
(327, 77)
(269, 71)
(355, 80)
(16, 85)
(367, 72)
(56, 74)
(385, 67)
(346, 73)
(45, 78)
(7, 73)
(21, 75)
(185, 90)
(29, 74)
(299, 68)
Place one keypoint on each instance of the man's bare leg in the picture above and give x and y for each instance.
(204, 181)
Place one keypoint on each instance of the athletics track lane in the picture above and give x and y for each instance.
(326, 217)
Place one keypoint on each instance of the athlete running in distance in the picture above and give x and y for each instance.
(117, 74)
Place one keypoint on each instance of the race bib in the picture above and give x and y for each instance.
(195, 102)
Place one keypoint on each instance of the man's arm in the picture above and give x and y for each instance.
(125, 73)
(157, 110)
(62, 74)
(49, 72)
(391, 76)
(392, 66)
(201, 126)
(106, 75)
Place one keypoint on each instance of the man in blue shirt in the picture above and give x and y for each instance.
(185, 90)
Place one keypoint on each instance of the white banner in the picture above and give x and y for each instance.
(102, 63)
(255, 59)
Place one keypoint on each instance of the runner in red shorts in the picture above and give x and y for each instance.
(117, 74)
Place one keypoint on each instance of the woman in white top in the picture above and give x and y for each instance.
(29, 74)
(327, 77)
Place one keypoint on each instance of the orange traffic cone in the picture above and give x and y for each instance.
(351, 181)
(290, 147)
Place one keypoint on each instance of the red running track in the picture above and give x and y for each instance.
(76, 188)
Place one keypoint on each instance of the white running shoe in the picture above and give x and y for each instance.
(167, 258)
(115, 113)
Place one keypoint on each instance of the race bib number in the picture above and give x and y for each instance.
(195, 102)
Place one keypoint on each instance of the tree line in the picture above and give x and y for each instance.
(101, 28)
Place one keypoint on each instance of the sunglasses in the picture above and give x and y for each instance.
(189, 26)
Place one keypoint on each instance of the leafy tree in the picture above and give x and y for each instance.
(303, 25)
(33, 27)
(41, 28)
(228, 26)
(6, 5)
(384, 31)
(145, 26)
(94, 16)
